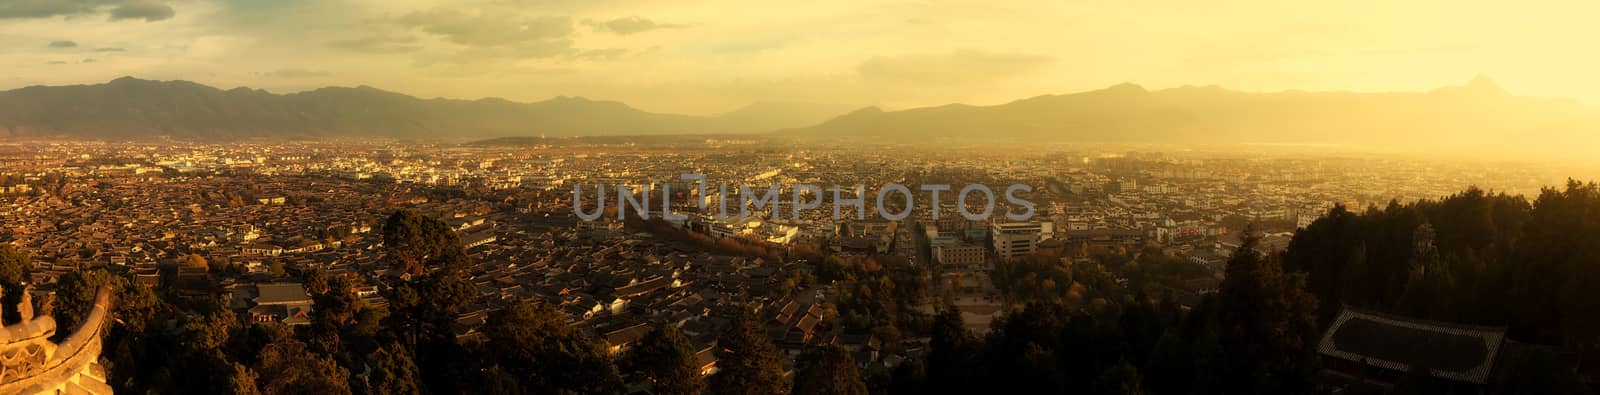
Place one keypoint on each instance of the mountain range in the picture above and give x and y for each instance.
(1477, 117)
(130, 108)
(1474, 117)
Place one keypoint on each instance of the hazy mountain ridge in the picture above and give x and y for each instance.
(1476, 116)
(130, 107)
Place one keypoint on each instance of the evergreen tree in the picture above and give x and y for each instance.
(287, 367)
(392, 372)
(14, 267)
(747, 362)
(1267, 322)
(1122, 379)
(242, 381)
(533, 342)
(416, 244)
(828, 370)
(667, 360)
(950, 352)
(910, 378)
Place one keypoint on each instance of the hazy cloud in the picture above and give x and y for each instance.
(488, 28)
(53, 62)
(63, 44)
(604, 54)
(482, 56)
(630, 25)
(89, 60)
(110, 50)
(378, 44)
(48, 8)
(296, 73)
(148, 10)
(964, 66)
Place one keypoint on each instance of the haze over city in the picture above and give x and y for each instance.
(835, 197)
(709, 57)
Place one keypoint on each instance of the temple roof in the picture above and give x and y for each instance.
(1451, 351)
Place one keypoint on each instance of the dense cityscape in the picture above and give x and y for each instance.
(318, 238)
(830, 197)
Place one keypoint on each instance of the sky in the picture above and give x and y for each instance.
(714, 56)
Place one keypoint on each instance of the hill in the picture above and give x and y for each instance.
(132, 108)
(1476, 117)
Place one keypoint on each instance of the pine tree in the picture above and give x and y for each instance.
(534, 343)
(667, 360)
(747, 362)
(1267, 321)
(950, 351)
(392, 372)
(828, 370)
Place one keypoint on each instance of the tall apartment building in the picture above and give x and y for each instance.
(1015, 239)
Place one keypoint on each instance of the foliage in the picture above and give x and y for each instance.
(748, 363)
(1267, 319)
(14, 266)
(1486, 258)
(828, 370)
(416, 243)
(288, 367)
(666, 359)
(532, 342)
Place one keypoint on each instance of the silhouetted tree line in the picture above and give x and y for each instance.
(1474, 257)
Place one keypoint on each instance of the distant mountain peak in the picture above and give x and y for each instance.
(129, 107)
(1480, 85)
(1127, 87)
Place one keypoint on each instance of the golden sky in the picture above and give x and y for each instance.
(703, 57)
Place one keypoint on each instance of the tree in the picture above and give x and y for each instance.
(533, 342)
(909, 378)
(14, 267)
(828, 370)
(242, 381)
(666, 359)
(950, 351)
(287, 367)
(75, 294)
(1122, 379)
(196, 261)
(336, 308)
(427, 308)
(415, 244)
(392, 372)
(1267, 320)
(748, 363)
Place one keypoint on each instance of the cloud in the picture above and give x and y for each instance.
(631, 25)
(89, 60)
(148, 10)
(377, 44)
(54, 62)
(483, 56)
(63, 44)
(47, 8)
(110, 50)
(488, 28)
(295, 73)
(603, 54)
(963, 66)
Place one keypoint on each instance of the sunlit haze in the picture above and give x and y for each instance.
(706, 57)
(831, 197)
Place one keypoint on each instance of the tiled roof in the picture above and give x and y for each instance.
(1452, 351)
